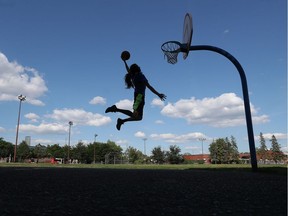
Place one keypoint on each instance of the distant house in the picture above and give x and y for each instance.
(243, 157)
(198, 157)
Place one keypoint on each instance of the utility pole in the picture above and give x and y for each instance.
(21, 98)
(70, 124)
(202, 139)
(95, 147)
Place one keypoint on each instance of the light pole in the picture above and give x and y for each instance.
(144, 139)
(21, 98)
(202, 139)
(94, 147)
(70, 124)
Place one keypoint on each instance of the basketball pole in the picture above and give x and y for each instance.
(245, 96)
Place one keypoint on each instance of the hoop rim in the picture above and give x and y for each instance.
(181, 47)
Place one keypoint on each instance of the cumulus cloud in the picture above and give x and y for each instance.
(57, 122)
(227, 110)
(174, 138)
(140, 134)
(125, 104)
(16, 79)
(32, 117)
(121, 142)
(44, 128)
(98, 100)
(268, 136)
(158, 103)
(79, 117)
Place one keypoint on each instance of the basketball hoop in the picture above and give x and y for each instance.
(171, 50)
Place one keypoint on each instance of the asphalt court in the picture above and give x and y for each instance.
(74, 191)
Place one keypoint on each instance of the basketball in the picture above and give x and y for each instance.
(125, 55)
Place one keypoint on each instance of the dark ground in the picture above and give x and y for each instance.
(72, 191)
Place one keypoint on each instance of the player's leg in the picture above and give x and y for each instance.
(137, 117)
(115, 109)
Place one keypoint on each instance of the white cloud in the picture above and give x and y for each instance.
(32, 117)
(268, 136)
(174, 138)
(159, 122)
(16, 79)
(43, 141)
(140, 134)
(44, 128)
(57, 122)
(158, 103)
(121, 142)
(125, 104)
(98, 100)
(79, 117)
(227, 110)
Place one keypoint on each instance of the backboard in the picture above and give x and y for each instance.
(187, 34)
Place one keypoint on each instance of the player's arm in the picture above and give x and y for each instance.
(160, 95)
(126, 66)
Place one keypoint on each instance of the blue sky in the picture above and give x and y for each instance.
(64, 56)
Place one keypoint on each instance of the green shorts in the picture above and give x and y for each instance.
(139, 102)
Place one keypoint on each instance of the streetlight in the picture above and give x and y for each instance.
(21, 98)
(70, 124)
(94, 147)
(202, 139)
(144, 139)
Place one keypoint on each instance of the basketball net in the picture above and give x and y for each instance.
(171, 50)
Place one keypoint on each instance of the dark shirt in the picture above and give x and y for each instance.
(139, 82)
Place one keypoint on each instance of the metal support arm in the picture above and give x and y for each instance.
(245, 96)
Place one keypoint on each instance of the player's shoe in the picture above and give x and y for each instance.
(119, 123)
(111, 109)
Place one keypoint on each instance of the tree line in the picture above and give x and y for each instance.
(96, 152)
(222, 151)
(273, 154)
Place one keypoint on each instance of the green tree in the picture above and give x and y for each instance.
(23, 151)
(224, 151)
(40, 151)
(55, 151)
(262, 151)
(277, 154)
(234, 157)
(80, 152)
(218, 150)
(173, 155)
(110, 149)
(158, 155)
(134, 155)
(91, 148)
(6, 148)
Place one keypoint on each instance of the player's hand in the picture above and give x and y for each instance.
(162, 96)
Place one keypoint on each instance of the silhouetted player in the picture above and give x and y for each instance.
(135, 79)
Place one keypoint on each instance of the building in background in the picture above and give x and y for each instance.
(28, 140)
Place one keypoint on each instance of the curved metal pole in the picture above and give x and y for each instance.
(245, 96)
(17, 131)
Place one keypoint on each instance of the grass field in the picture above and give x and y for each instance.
(276, 169)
